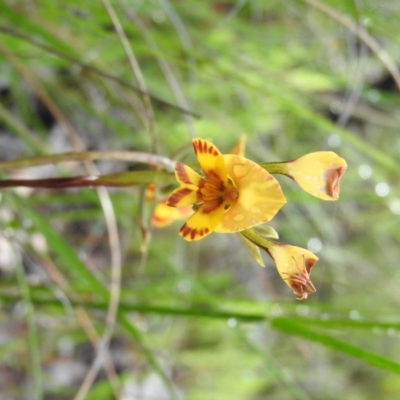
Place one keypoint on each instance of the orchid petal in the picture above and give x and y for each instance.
(184, 196)
(203, 221)
(210, 160)
(186, 175)
(318, 173)
(260, 196)
(294, 265)
(164, 215)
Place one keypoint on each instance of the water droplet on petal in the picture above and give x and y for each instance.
(238, 217)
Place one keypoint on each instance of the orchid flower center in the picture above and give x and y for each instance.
(222, 192)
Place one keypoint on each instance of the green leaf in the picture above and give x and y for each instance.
(291, 327)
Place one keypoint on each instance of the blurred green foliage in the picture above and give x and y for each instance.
(202, 319)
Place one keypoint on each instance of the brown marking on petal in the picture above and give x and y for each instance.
(193, 232)
(185, 230)
(202, 146)
(215, 178)
(212, 151)
(300, 281)
(309, 263)
(158, 221)
(176, 197)
(181, 173)
(198, 146)
(331, 178)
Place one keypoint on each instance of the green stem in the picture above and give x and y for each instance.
(275, 167)
(258, 240)
(122, 179)
(146, 308)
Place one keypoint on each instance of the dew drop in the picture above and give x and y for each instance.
(158, 17)
(354, 315)
(382, 189)
(184, 286)
(334, 140)
(394, 206)
(391, 332)
(366, 21)
(302, 310)
(314, 245)
(232, 323)
(276, 310)
(238, 218)
(365, 171)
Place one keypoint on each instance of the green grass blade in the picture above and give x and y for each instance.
(33, 342)
(69, 259)
(291, 327)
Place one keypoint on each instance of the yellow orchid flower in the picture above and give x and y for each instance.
(163, 214)
(294, 266)
(316, 173)
(293, 263)
(234, 194)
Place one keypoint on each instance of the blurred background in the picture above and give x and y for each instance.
(198, 320)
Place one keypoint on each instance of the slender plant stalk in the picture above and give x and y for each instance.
(126, 156)
(124, 179)
(33, 342)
